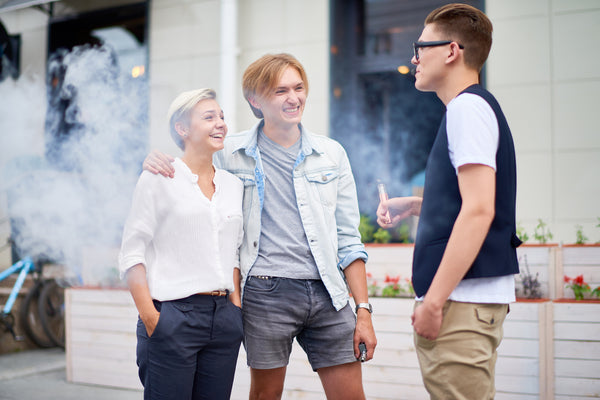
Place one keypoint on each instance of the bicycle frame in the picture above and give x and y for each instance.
(25, 266)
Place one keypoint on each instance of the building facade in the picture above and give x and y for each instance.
(542, 69)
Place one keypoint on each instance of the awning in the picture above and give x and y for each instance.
(11, 5)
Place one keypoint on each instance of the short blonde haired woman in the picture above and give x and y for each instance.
(179, 255)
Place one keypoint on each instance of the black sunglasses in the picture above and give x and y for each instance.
(418, 45)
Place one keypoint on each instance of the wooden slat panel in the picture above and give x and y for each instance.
(521, 330)
(124, 325)
(576, 331)
(519, 348)
(577, 368)
(102, 332)
(516, 396)
(101, 296)
(517, 384)
(519, 366)
(585, 255)
(577, 387)
(536, 255)
(578, 312)
(102, 310)
(576, 350)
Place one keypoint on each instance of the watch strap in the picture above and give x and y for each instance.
(366, 306)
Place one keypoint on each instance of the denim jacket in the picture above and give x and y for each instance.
(326, 198)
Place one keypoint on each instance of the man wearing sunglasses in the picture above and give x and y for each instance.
(465, 250)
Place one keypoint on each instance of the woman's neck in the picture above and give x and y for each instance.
(199, 164)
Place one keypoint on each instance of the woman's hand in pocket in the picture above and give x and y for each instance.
(150, 322)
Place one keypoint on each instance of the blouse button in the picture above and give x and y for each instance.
(255, 243)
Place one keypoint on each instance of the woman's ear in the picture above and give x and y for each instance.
(181, 129)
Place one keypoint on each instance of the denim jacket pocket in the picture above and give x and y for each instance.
(322, 177)
(325, 182)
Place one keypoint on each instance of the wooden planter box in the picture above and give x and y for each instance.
(542, 260)
(524, 355)
(100, 337)
(577, 260)
(545, 261)
(551, 349)
(576, 339)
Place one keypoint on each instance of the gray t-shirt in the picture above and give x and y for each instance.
(283, 249)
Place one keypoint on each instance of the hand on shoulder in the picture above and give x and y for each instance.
(158, 162)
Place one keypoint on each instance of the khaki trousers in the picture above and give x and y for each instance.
(460, 363)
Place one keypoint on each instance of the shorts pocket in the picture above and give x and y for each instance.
(261, 284)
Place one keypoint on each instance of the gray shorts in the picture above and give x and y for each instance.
(277, 310)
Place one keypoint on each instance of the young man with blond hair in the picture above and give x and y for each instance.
(465, 251)
(301, 242)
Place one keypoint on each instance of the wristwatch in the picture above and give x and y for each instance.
(366, 306)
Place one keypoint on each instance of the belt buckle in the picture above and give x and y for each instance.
(218, 293)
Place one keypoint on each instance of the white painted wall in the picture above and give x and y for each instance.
(543, 68)
(185, 53)
(546, 75)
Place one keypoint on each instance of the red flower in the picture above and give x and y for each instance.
(579, 286)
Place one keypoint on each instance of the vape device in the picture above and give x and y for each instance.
(383, 196)
(363, 352)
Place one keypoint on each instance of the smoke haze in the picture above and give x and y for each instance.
(70, 158)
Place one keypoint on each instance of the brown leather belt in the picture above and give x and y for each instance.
(218, 293)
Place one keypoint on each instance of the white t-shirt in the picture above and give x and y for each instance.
(188, 243)
(473, 136)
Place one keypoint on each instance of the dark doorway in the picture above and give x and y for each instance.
(10, 49)
(385, 124)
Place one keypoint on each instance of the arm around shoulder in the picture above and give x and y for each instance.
(158, 162)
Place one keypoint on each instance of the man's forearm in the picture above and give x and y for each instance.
(356, 276)
(466, 239)
(477, 185)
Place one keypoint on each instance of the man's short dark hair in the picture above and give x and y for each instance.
(466, 25)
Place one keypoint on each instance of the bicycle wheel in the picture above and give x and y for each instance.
(51, 308)
(29, 318)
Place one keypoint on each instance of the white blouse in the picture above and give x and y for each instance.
(188, 243)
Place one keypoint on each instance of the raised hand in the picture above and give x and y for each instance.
(398, 208)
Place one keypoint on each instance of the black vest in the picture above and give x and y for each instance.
(442, 202)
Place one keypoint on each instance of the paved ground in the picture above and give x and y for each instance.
(40, 375)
